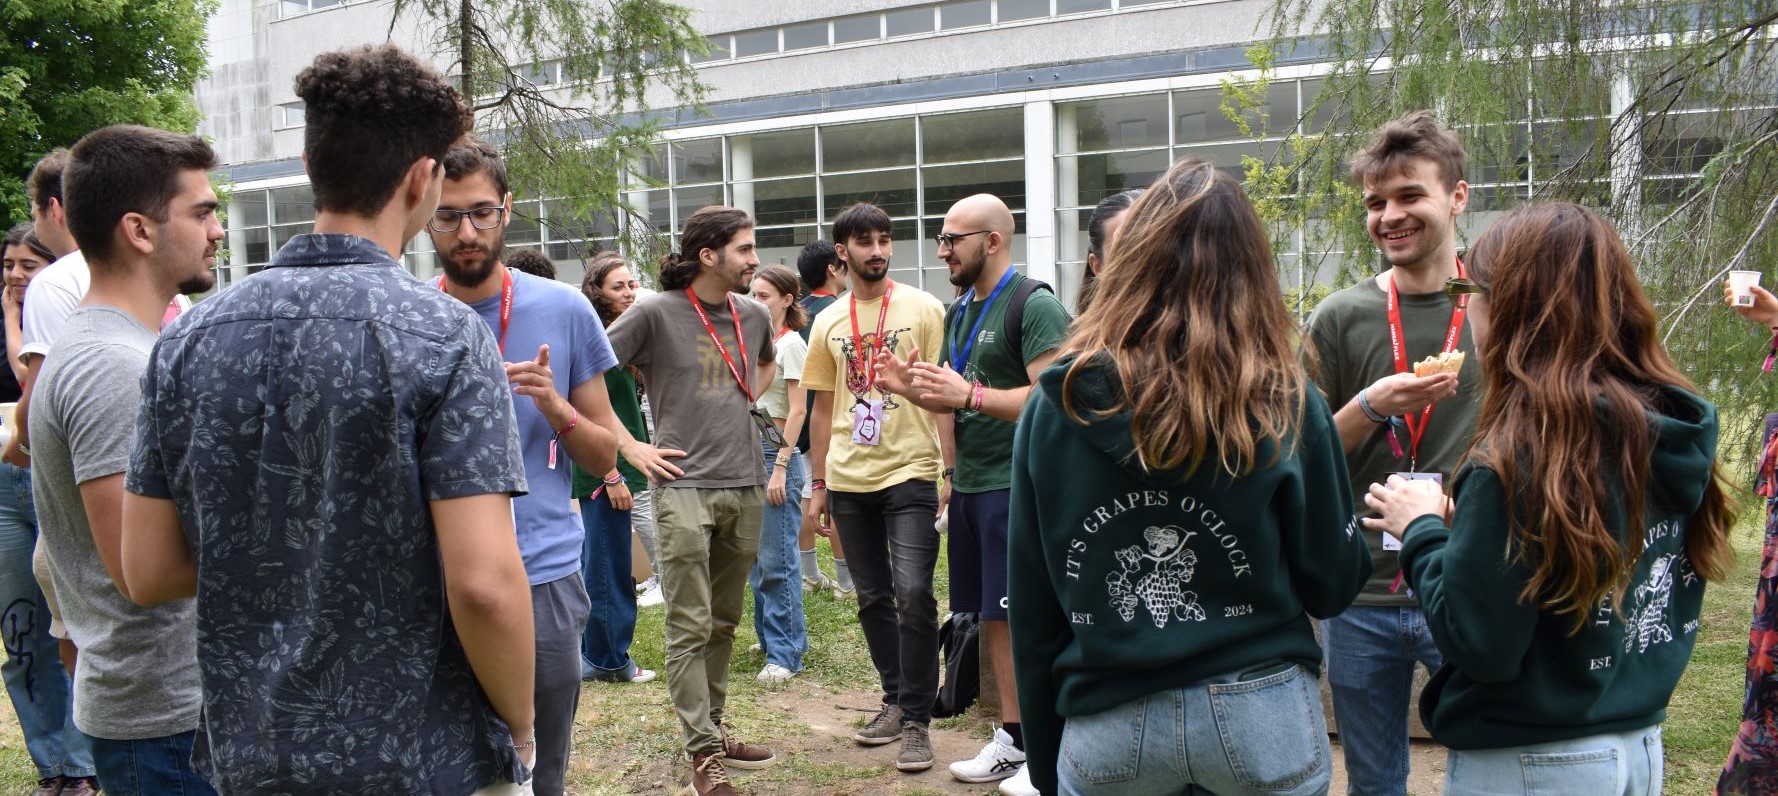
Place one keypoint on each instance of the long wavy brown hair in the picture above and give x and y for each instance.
(1189, 311)
(1573, 367)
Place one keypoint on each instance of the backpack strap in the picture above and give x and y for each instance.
(1013, 328)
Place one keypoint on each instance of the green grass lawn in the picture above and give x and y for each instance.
(628, 739)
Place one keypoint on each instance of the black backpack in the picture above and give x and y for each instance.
(1013, 328)
(957, 642)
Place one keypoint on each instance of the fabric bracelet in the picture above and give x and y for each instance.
(1364, 405)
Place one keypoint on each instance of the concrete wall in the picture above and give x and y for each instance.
(256, 56)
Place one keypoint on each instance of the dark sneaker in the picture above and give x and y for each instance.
(741, 755)
(48, 786)
(708, 777)
(916, 748)
(884, 728)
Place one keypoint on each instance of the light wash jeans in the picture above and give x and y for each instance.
(39, 687)
(1219, 736)
(776, 576)
(1371, 652)
(1618, 764)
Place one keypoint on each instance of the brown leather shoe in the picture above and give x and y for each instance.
(742, 755)
(48, 786)
(708, 777)
(80, 786)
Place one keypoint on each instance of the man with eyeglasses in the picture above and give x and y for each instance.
(874, 463)
(1365, 341)
(998, 337)
(555, 349)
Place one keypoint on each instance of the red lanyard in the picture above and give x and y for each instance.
(740, 340)
(1398, 346)
(505, 307)
(782, 330)
(868, 363)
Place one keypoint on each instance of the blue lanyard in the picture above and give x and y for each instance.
(961, 358)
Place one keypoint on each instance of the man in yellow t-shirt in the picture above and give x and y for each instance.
(875, 461)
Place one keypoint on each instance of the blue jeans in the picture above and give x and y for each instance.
(776, 576)
(149, 767)
(1371, 652)
(1617, 764)
(39, 687)
(1219, 736)
(605, 565)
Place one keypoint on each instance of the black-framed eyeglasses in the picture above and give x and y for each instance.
(1456, 287)
(486, 217)
(949, 239)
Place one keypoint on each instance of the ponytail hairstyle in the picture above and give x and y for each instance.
(709, 228)
(1191, 316)
(783, 280)
(1573, 366)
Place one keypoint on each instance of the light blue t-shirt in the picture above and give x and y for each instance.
(548, 312)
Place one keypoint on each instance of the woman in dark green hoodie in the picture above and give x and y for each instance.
(1179, 510)
(1563, 585)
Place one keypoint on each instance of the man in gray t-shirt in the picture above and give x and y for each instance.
(137, 674)
(704, 353)
(141, 207)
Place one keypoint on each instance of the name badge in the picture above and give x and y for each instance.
(867, 422)
(1390, 543)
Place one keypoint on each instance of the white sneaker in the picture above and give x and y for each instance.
(653, 582)
(651, 594)
(998, 760)
(1018, 784)
(818, 583)
(774, 675)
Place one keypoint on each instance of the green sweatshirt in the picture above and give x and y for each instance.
(1513, 675)
(1124, 583)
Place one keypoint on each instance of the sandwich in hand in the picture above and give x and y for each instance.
(1447, 362)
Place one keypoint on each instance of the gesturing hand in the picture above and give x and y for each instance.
(537, 380)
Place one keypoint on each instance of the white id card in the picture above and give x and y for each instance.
(867, 422)
(1390, 543)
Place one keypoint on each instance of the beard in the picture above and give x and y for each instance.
(198, 283)
(864, 272)
(462, 273)
(970, 271)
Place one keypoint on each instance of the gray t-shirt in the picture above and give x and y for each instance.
(137, 675)
(698, 407)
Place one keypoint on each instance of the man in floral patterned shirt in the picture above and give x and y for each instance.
(326, 456)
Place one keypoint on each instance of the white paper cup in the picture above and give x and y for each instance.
(9, 415)
(1741, 284)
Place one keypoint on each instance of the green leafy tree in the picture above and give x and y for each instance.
(1660, 114)
(561, 86)
(68, 67)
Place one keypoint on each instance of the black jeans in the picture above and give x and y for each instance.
(892, 549)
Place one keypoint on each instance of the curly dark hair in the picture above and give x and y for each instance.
(124, 169)
(532, 262)
(372, 111)
(709, 228)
